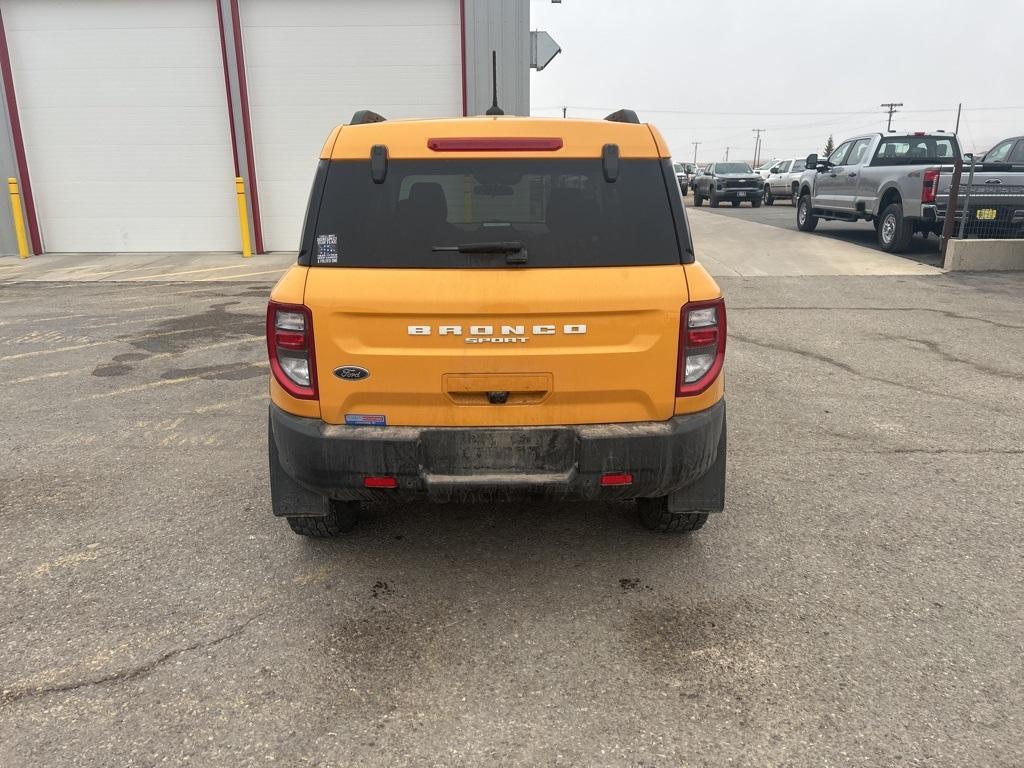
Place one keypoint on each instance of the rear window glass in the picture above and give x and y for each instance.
(799, 165)
(915, 150)
(562, 212)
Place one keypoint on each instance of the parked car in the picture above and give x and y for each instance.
(1006, 152)
(692, 169)
(681, 178)
(432, 343)
(784, 180)
(765, 169)
(733, 182)
(901, 184)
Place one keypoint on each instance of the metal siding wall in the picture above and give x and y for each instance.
(311, 63)
(503, 26)
(123, 111)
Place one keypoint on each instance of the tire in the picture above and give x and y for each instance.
(698, 201)
(806, 221)
(755, 203)
(894, 232)
(341, 520)
(712, 198)
(768, 197)
(794, 195)
(654, 516)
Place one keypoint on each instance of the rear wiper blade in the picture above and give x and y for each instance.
(514, 249)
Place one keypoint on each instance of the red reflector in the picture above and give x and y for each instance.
(496, 144)
(383, 481)
(701, 337)
(290, 339)
(617, 478)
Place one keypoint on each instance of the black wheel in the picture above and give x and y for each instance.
(806, 221)
(794, 195)
(698, 201)
(894, 232)
(712, 198)
(342, 519)
(755, 203)
(768, 197)
(655, 516)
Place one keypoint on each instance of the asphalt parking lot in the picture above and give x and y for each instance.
(783, 216)
(859, 603)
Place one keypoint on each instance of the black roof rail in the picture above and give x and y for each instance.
(364, 116)
(624, 116)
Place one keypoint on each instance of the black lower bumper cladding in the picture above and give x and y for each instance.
(319, 460)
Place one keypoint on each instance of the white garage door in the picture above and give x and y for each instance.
(311, 63)
(125, 119)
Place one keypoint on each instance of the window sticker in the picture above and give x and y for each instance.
(327, 249)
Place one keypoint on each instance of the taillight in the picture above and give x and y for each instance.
(290, 347)
(930, 186)
(701, 345)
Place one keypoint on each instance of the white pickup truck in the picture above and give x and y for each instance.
(898, 182)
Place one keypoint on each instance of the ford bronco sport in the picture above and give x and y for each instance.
(493, 307)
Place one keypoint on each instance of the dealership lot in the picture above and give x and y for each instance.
(783, 216)
(857, 604)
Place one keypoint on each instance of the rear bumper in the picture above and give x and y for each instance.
(454, 463)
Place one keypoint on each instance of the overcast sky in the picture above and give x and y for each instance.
(713, 70)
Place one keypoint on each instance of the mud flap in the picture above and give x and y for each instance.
(287, 497)
(707, 494)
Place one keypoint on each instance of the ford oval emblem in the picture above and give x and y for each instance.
(351, 373)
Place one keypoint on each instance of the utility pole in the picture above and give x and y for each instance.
(891, 106)
(726, 153)
(757, 144)
(695, 145)
(563, 111)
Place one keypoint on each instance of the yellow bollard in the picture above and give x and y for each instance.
(243, 216)
(18, 216)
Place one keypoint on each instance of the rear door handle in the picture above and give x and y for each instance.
(851, 175)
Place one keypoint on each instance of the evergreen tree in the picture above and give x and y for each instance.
(830, 145)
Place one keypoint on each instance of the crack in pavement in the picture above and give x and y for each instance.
(133, 673)
(853, 371)
(933, 346)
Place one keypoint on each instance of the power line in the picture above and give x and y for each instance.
(793, 114)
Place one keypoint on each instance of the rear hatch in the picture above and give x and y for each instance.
(489, 292)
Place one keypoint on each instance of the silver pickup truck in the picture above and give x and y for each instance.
(898, 182)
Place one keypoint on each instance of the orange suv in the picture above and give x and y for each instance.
(496, 306)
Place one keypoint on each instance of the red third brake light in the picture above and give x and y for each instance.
(701, 345)
(930, 185)
(290, 348)
(496, 144)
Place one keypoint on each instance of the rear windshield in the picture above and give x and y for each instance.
(562, 212)
(915, 150)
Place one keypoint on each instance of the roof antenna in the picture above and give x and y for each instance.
(494, 109)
